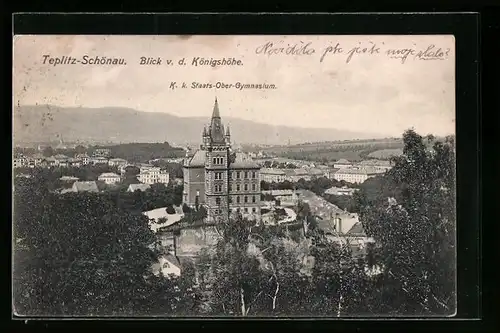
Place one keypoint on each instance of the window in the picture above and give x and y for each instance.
(246, 174)
(230, 199)
(218, 175)
(218, 188)
(246, 187)
(253, 210)
(246, 210)
(197, 193)
(238, 210)
(238, 174)
(217, 201)
(253, 187)
(216, 212)
(253, 199)
(237, 199)
(238, 187)
(254, 174)
(218, 160)
(230, 187)
(246, 199)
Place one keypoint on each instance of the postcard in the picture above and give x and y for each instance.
(234, 176)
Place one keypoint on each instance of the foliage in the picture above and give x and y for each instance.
(76, 252)
(344, 202)
(170, 209)
(416, 202)
(186, 209)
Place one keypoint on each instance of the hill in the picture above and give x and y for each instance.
(47, 123)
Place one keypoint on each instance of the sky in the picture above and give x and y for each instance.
(372, 92)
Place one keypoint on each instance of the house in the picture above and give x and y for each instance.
(316, 172)
(297, 174)
(330, 174)
(138, 187)
(380, 165)
(74, 162)
(340, 191)
(153, 175)
(272, 175)
(51, 161)
(20, 161)
(99, 160)
(342, 163)
(36, 160)
(168, 265)
(102, 152)
(84, 158)
(286, 197)
(68, 179)
(117, 162)
(88, 186)
(61, 160)
(109, 178)
(355, 175)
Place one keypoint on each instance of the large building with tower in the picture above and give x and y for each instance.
(225, 181)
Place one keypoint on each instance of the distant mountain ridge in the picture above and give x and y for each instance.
(42, 123)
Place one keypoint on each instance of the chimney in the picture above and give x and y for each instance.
(175, 244)
(338, 225)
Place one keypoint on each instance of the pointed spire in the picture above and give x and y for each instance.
(216, 130)
(228, 133)
(215, 113)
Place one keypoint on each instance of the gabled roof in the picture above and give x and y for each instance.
(140, 187)
(38, 156)
(89, 186)
(342, 161)
(68, 178)
(361, 171)
(173, 260)
(273, 171)
(357, 229)
(242, 161)
(109, 174)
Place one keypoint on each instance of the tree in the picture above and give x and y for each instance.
(186, 209)
(80, 149)
(415, 201)
(74, 253)
(170, 209)
(233, 281)
(48, 151)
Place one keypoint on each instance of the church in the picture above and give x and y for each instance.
(223, 180)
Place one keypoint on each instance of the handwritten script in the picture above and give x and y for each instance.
(307, 49)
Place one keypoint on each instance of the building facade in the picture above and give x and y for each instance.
(153, 175)
(355, 175)
(224, 181)
(109, 178)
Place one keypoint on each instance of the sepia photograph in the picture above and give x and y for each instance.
(234, 176)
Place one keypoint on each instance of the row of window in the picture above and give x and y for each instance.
(218, 160)
(246, 199)
(237, 175)
(238, 210)
(218, 188)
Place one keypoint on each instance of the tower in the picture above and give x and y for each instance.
(217, 148)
